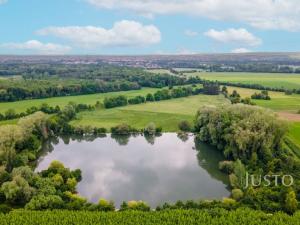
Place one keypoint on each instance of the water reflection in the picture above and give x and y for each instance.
(153, 169)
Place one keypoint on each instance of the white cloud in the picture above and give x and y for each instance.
(185, 51)
(3, 1)
(38, 47)
(234, 36)
(190, 33)
(264, 14)
(123, 34)
(241, 50)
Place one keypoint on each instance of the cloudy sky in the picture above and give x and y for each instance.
(148, 26)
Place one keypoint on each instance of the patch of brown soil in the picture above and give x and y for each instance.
(289, 116)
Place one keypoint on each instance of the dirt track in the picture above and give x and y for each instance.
(289, 116)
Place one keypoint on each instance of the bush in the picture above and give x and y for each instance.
(135, 205)
(123, 129)
(229, 201)
(237, 194)
(185, 126)
(105, 205)
(115, 101)
(226, 166)
(150, 129)
(5, 208)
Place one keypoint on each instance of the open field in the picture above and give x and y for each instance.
(279, 101)
(277, 80)
(294, 133)
(21, 106)
(166, 114)
(160, 71)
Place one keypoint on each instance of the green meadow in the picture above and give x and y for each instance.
(166, 114)
(279, 101)
(294, 133)
(276, 80)
(21, 106)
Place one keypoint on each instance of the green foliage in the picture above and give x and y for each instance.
(264, 95)
(123, 129)
(104, 205)
(185, 126)
(291, 203)
(17, 191)
(42, 202)
(226, 166)
(241, 130)
(135, 205)
(150, 129)
(115, 101)
(165, 217)
(237, 194)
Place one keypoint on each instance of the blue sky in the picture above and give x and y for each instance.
(148, 27)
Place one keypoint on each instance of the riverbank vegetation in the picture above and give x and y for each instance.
(253, 139)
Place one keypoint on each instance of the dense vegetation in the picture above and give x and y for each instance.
(163, 94)
(252, 139)
(43, 81)
(166, 217)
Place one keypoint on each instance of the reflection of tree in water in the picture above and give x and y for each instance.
(209, 158)
(183, 136)
(121, 139)
(150, 139)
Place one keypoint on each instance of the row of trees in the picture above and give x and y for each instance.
(264, 95)
(159, 95)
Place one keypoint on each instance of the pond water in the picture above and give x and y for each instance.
(155, 170)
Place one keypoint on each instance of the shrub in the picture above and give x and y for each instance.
(104, 205)
(135, 205)
(185, 126)
(229, 201)
(122, 129)
(237, 194)
(150, 129)
(226, 166)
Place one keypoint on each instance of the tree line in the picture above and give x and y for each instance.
(209, 88)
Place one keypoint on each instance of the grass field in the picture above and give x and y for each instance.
(166, 114)
(21, 106)
(279, 101)
(294, 133)
(278, 80)
(160, 71)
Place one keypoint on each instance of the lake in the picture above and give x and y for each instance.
(153, 169)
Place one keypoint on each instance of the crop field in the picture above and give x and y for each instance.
(21, 106)
(278, 80)
(166, 114)
(213, 216)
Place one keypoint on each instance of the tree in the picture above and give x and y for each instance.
(150, 129)
(291, 203)
(17, 190)
(185, 126)
(150, 97)
(9, 136)
(42, 202)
